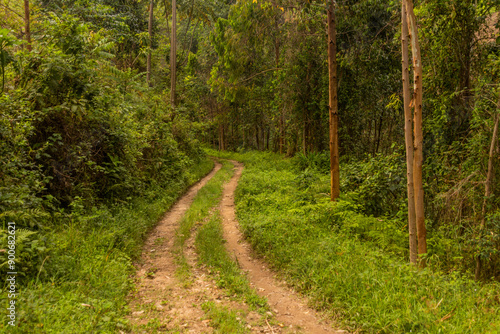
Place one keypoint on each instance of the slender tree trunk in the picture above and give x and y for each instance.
(150, 31)
(282, 139)
(304, 134)
(27, 24)
(412, 227)
(257, 142)
(333, 107)
(379, 137)
(268, 131)
(418, 133)
(487, 187)
(222, 144)
(173, 54)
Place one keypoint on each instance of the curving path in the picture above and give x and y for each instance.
(160, 302)
(290, 309)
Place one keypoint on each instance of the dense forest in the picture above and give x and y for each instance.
(110, 110)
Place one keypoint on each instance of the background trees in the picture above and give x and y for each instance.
(253, 74)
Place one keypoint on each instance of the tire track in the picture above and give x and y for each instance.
(289, 307)
(160, 302)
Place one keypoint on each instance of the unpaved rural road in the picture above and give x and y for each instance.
(162, 303)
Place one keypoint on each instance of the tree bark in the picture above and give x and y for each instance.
(412, 228)
(282, 132)
(333, 107)
(418, 133)
(150, 31)
(27, 24)
(487, 186)
(173, 54)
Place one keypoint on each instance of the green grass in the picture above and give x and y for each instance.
(223, 320)
(85, 281)
(204, 202)
(327, 252)
(212, 252)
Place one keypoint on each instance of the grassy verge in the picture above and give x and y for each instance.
(288, 218)
(85, 280)
(224, 321)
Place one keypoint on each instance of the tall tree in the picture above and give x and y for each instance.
(333, 106)
(173, 54)
(150, 31)
(27, 31)
(412, 228)
(488, 183)
(417, 131)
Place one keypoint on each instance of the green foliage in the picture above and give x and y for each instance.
(89, 130)
(83, 284)
(90, 159)
(313, 160)
(345, 261)
(6, 40)
(379, 182)
(30, 252)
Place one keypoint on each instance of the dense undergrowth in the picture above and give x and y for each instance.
(352, 265)
(86, 275)
(90, 159)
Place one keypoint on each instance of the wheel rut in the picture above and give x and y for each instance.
(288, 307)
(161, 302)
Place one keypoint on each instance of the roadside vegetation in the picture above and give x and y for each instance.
(90, 160)
(352, 265)
(84, 276)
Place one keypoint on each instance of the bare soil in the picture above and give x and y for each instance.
(289, 308)
(160, 302)
(164, 303)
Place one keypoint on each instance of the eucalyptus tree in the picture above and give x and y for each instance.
(150, 33)
(333, 106)
(412, 228)
(417, 131)
(173, 54)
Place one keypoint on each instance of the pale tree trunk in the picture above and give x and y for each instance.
(418, 135)
(333, 107)
(412, 228)
(487, 187)
(173, 54)
(150, 31)
(27, 24)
